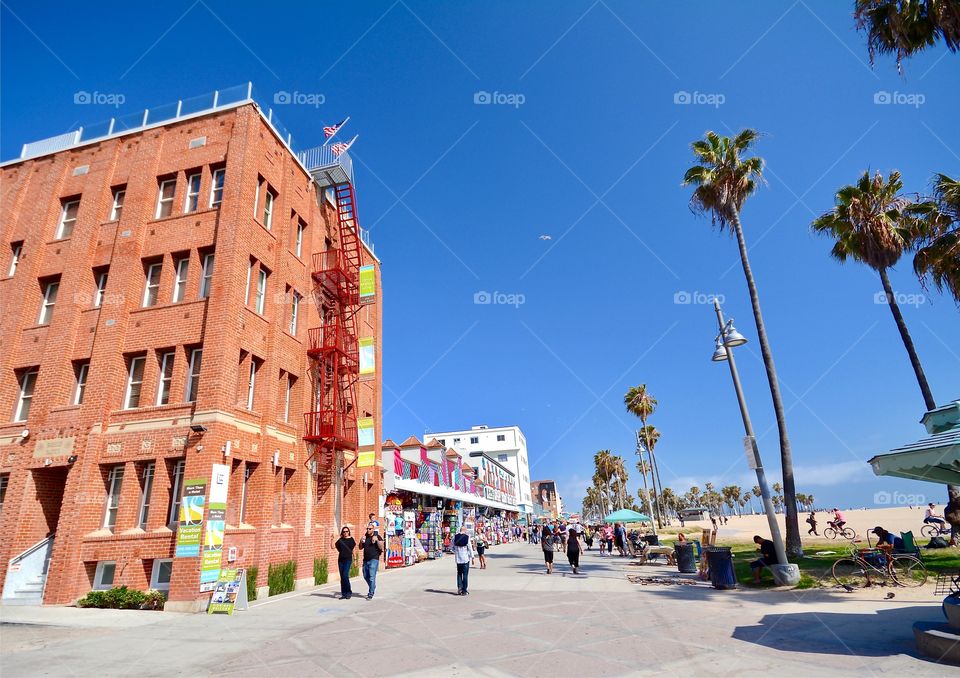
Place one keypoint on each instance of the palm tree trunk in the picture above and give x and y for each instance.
(907, 341)
(793, 545)
(655, 475)
(646, 490)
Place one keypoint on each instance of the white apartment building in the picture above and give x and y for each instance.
(506, 444)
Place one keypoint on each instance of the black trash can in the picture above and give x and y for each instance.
(720, 562)
(652, 539)
(686, 558)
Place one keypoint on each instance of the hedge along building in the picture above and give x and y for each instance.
(188, 307)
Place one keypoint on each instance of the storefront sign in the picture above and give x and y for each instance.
(368, 356)
(229, 593)
(214, 529)
(365, 432)
(190, 525)
(368, 285)
(365, 459)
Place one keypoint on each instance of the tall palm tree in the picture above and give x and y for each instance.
(644, 468)
(723, 179)
(905, 27)
(603, 463)
(938, 256)
(640, 403)
(871, 222)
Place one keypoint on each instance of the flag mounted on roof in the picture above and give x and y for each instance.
(341, 147)
(330, 131)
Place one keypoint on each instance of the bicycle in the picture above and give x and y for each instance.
(855, 572)
(833, 532)
(931, 530)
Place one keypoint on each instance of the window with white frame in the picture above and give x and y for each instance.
(68, 219)
(16, 250)
(182, 266)
(474, 440)
(501, 438)
(192, 200)
(50, 289)
(216, 187)
(161, 574)
(103, 577)
(118, 196)
(261, 297)
(246, 294)
(4, 481)
(252, 382)
(288, 395)
(245, 490)
(268, 208)
(146, 490)
(176, 489)
(294, 312)
(80, 372)
(167, 359)
(168, 188)
(206, 279)
(100, 277)
(193, 375)
(27, 380)
(114, 484)
(131, 399)
(151, 289)
(301, 228)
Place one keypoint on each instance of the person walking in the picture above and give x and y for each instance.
(546, 544)
(608, 537)
(372, 547)
(345, 547)
(481, 549)
(588, 537)
(812, 522)
(463, 553)
(573, 549)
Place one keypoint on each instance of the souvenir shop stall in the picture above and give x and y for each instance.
(403, 544)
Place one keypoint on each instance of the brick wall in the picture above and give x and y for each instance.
(226, 324)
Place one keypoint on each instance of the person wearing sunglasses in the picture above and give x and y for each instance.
(345, 546)
(372, 547)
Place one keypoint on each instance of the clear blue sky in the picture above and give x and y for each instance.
(457, 195)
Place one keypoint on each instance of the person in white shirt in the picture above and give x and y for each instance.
(463, 553)
(932, 517)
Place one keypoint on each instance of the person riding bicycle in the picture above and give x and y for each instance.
(932, 518)
(838, 520)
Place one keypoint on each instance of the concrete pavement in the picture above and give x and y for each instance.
(517, 622)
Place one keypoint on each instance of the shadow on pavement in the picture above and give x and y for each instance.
(885, 633)
(449, 593)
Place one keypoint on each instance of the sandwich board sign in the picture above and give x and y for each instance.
(229, 592)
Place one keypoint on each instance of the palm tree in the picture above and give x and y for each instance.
(603, 463)
(873, 224)
(640, 403)
(644, 468)
(723, 179)
(938, 257)
(905, 27)
(778, 497)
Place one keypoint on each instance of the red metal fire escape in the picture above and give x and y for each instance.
(334, 352)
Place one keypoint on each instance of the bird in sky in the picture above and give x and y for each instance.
(546, 237)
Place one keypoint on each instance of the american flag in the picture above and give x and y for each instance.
(333, 129)
(342, 147)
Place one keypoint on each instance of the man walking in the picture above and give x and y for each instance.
(812, 522)
(463, 553)
(372, 547)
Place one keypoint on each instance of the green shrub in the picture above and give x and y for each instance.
(252, 573)
(354, 568)
(281, 577)
(123, 598)
(321, 571)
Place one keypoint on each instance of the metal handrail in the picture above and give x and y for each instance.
(43, 542)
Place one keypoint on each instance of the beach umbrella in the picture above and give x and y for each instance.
(626, 516)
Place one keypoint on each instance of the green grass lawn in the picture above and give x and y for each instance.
(814, 567)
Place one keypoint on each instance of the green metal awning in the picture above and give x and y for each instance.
(934, 459)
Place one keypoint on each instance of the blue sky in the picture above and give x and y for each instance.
(584, 139)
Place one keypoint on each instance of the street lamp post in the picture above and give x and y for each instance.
(726, 340)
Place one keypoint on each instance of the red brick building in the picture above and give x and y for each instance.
(158, 303)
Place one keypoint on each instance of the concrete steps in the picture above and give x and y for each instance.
(28, 593)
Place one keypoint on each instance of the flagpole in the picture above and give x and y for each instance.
(339, 127)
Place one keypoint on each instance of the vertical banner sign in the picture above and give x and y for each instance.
(190, 524)
(213, 534)
(368, 357)
(368, 285)
(365, 431)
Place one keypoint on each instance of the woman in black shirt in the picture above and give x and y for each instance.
(573, 549)
(345, 546)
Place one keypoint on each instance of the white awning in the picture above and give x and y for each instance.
(432, 490)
